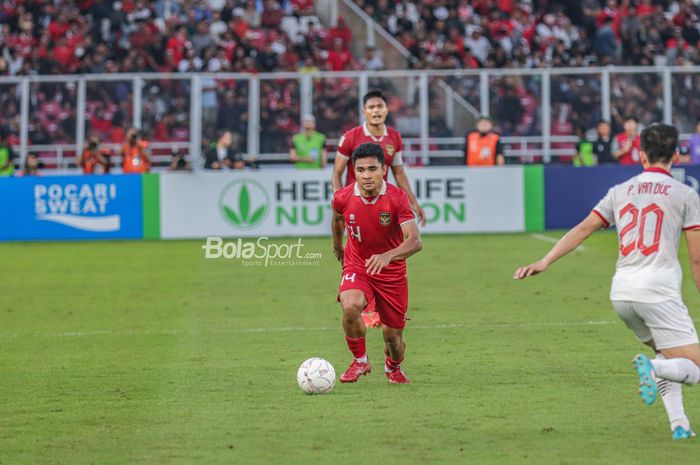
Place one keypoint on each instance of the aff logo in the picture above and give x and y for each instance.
(244, 203)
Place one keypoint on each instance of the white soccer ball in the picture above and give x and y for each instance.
(316, 376)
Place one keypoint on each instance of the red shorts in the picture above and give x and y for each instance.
(390, 296)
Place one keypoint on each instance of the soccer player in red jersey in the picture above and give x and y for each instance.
(626, 145)
(374, 130)
(382, 233)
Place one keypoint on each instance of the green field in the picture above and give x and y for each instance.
(146, 353)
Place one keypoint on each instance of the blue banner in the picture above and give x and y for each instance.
(570, 193)
(71, 207)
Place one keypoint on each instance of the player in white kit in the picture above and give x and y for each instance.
(650, 211)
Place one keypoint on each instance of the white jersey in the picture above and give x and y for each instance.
(650, 211)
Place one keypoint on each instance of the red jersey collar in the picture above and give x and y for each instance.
(366, 132)
(656, 169)
(358, 193)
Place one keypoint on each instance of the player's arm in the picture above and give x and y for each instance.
(403, 183)
(337, 230)
(410, 245)
(566, 244)
(692, 237)
(341, 162)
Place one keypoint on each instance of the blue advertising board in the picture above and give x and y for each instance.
(71, 207)
(570, 193)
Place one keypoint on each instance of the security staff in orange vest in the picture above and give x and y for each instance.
(135, 157)
(483, 147)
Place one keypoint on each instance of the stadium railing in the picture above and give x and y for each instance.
(536, 110)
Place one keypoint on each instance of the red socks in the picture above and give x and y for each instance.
(392, 364)
(359, 351)
(357, 346)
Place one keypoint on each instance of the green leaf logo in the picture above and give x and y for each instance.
(244, 203)
(232, 215)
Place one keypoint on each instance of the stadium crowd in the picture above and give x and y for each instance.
(138, 36)
(541, 33)
(461, 34)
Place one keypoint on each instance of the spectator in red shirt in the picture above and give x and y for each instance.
(177, 44)
(272, 14)
(339, 58)
(142, 37)
(59, 26)
(65, 55)
(239, 25)
(645, 8)
(341, 31)
(302, 7)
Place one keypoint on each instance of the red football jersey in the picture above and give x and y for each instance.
(391, 143)
(373, 225)
(631, 157)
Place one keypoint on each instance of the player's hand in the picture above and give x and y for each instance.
(421, 214)
(530, 270)
(376, 263)
(339, 253)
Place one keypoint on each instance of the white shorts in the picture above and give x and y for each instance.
(666, 323)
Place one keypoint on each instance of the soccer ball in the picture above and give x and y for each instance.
(316, 376)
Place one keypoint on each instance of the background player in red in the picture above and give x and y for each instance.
(374, 130)
(382, 233)
(626, 145)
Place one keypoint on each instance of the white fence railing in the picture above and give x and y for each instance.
(537, 111)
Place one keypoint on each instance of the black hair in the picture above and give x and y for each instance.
(631, 118)
(659, 142)
(603, 121)
(376, 93)
(368, 150)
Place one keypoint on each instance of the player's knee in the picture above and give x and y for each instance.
(352, 305)
(393, 341)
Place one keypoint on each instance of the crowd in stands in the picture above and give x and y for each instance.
(138, 36)
(541, 33)
(462, 34)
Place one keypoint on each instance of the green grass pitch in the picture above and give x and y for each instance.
(146, 353)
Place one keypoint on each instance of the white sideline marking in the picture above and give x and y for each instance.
(552, 240)
(177, 332)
